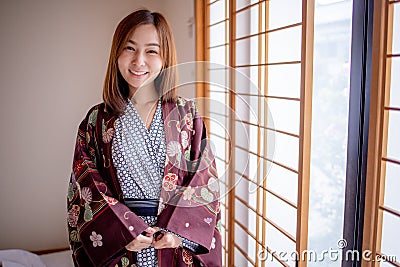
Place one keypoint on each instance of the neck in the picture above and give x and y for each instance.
(143, 94)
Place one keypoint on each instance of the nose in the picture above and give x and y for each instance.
(138, 59)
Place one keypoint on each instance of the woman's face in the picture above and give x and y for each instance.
(140, 61)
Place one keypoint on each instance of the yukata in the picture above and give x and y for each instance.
(178, 168)
(139, 158)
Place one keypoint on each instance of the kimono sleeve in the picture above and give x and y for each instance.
(195, 213)
(99, 225)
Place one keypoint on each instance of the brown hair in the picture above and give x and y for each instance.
(116, 89)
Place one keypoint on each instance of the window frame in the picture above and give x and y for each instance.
(305, 102)
(378, 132)
(358, 126)
(367, 125)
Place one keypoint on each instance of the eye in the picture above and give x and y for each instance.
(152, 52)
(129, 48)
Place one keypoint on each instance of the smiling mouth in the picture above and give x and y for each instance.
(138, 73)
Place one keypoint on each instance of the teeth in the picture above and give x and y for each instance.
(138, 72)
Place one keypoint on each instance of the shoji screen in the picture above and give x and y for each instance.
(261, 53)
(382, 216)
(217, 94)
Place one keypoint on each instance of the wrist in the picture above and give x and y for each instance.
(180, 242)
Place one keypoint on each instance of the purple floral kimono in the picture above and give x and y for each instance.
(100, 225)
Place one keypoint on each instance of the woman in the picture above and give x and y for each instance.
(143, 189)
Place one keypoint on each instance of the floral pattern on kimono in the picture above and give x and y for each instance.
(100, 225)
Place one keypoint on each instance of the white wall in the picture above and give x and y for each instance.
(53, 59)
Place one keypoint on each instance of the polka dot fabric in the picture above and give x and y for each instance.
(139, 154)
(139, 157)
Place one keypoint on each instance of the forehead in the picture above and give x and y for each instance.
(145, 34)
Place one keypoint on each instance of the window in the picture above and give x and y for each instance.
(382, 214)
(330, 112)
(266, 61)
(253, 47)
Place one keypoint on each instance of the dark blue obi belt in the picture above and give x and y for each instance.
(142, 207)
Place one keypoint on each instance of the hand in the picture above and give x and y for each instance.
(166, 240)
(142, 241)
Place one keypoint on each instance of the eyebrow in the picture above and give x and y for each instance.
(149, 44)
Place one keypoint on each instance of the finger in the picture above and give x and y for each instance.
(150, 230)
(139, 243)
(135, 249)
(144, 239)
(137, 246)
(158, 235)
(166, 241)
(158, 245)
(172, 241)
(130, 248)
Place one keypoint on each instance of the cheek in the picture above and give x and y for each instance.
(157, 64)
(119, 64)
(122, 61)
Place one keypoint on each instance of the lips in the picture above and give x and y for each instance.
(138, 73)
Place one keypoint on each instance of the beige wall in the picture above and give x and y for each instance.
(179, 15)
(52, 63)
